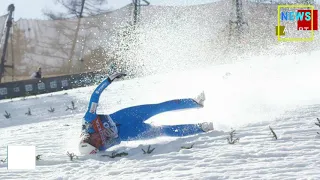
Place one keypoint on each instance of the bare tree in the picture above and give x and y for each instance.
(16, 52)
(77, 8)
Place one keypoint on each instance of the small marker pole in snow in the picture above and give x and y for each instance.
(51, 110)
(38, 157)
(231, 139)
(149, 150)
(72, 156)
(115, 154)
(29, 112)
(4, 160)
(73, 106)
(7, 115)
(187, 147)
(273, 133)
(318, 124)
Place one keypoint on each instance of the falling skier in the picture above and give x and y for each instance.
(100, 132)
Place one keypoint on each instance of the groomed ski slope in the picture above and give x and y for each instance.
(248, 96)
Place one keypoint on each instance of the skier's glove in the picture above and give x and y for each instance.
(116, 75)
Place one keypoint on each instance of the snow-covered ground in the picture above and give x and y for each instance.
(248, 96)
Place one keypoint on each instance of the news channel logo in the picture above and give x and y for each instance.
(296, 23)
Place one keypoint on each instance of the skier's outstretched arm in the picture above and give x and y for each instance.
(94, 100)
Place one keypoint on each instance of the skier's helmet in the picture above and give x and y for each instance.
(85, 147)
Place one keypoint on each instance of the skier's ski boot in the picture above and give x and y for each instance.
(200, 99)
(206, 126)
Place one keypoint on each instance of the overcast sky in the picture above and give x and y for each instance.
(32, 9)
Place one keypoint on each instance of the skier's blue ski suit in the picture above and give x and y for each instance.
(128, 123)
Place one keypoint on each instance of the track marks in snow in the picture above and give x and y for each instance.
(256, 156)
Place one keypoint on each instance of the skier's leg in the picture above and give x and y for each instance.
(133, 131)
(146, 131)
(139, 114)
(181, 130)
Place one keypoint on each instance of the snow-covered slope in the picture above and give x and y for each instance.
(248, 96)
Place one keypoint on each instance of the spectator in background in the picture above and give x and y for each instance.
(37, 74)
